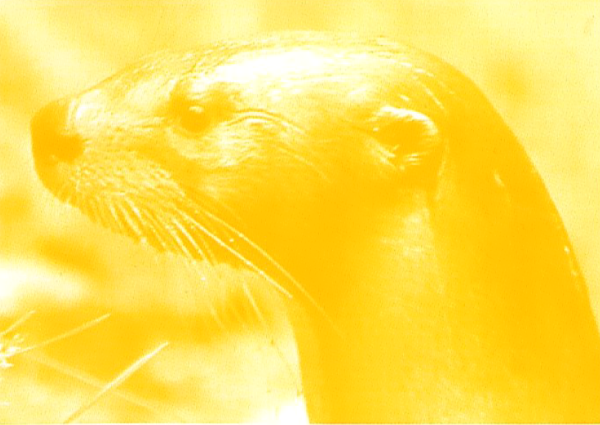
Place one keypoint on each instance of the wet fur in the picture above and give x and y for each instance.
(389, 185)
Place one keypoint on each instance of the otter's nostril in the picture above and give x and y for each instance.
(50, 138)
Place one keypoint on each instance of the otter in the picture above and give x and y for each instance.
(428, 274)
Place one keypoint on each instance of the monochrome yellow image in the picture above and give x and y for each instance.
(299, 212)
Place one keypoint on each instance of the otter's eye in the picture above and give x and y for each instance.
(194, 118)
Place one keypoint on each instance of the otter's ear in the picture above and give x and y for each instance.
(413, 141)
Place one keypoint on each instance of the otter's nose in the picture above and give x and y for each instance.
(51, 140)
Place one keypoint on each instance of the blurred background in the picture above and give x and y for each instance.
(538, 63)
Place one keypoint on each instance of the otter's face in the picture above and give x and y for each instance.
(259, 145)
(88, 149)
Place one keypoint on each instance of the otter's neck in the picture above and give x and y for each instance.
(390, 302)
(442, 323)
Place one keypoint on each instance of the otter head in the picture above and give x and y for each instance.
(279, 144)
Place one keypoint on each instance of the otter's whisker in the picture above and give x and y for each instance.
(17, 323)
(84, 378)
(205, 253)
(134, 209)
(116, 382)
(109, 219)
(65, 335)
(254, 305)
(98, 212)
(175, 235)
(119, 222)
(145, 223)
(236, 313)
(239, 256)
(173, 228)
(279, 268)
(215, 315)
(164, 237)
(128, 220)
(213, 204)
(154, 228)
(265, 332)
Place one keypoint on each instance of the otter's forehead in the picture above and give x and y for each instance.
(302, 62)
(299, 79)
(291, 67)
(262, 71)
(310, 73)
